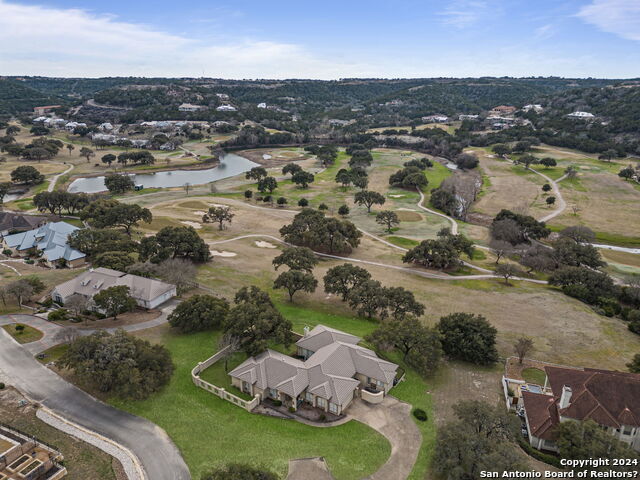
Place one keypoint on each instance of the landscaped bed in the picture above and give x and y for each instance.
(534, 375)
(25, 335)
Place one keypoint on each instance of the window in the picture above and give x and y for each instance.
(273, 393)
(309, 397)
(321, 402)
(627, 430)
(333, 408)
(380, 384)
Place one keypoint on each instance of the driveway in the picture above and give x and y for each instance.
(49, 330)
(392, 418)
(160, 458)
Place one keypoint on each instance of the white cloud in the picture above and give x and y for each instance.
(620, 17)
(463, 13)
(69, 42)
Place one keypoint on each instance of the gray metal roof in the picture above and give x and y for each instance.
(328, 373)
(50, 238)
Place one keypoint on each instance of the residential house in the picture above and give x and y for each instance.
(49, 242)
(332, 369)
(222, 96)
(581, 115)
(105, 127)
(226, 108)
(45, 109)
(262, 105)
(147, 292)
(188, 107)
(503, 110)
(463, 117)
(11, 222)
(535, 107)
(611, 399)
(435, 119)
(71, 126)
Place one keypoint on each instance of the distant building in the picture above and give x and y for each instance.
(468, 117)
(503, 109)
(44, 110)
(226, 108)
(71, 126)
(147, 292)
(581, 115)
(49, 242)
(222, 96)
(535, 107)
(435, 119)
(105, 127)
(262, 105)
(188, 107)
(11, 222)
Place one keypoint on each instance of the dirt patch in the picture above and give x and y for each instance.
(192, 204)
(408, 216)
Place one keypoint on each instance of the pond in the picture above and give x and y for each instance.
(230, 165)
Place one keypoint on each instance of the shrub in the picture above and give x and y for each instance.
(322, 417)
(635, 327)
(303, 202)
(292, 409)
(420, 414)
(58, 315)
(277, 403)
(7, 252)
(1, 386)
(29, 261)
(323, 206)
(19, 328)
(538, 455)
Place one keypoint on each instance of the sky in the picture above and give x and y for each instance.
(326, 39)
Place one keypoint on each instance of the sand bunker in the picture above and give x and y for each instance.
(199, 213)
(218, 253)
(266, 156)
(195, 225)
(396, 196)
(264, 244)
(407, 209)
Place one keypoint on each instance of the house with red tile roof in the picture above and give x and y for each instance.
(611, 399)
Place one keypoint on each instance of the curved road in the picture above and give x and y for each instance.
(160, 458)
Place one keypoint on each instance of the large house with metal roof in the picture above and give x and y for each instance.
(49, 242)
(332, 370)
(611, 399)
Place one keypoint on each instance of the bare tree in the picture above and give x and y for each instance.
(186, 187)
(507, 271)
(501, 249)
(522, 347)
(465, 187)
(177, 271)
(21, 290)
(66, 335)
(233, 344)
(78, 304)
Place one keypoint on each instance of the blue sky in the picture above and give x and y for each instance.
(327, 40)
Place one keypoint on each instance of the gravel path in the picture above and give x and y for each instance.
(129, 462)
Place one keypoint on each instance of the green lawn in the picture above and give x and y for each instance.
(54, 353)
(28, 335)
(210, 431)
(534, 375)
(217, 375)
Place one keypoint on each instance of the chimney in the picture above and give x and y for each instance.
(565, 398)
(306, 330)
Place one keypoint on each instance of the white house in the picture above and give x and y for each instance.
(262, 105)
(468, 117)
(435, 119)
(581, 115)
(147, 292)
(105, 127)
(535, 107)
(226, 108)
(188, 107)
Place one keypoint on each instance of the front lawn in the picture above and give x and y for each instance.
(26, 335)
(210, 431)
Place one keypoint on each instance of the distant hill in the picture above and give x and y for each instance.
(15, 98)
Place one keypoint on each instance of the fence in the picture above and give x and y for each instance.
(248, 405)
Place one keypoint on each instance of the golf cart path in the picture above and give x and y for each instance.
(439, 276)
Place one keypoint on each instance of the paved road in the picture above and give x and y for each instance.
(49, 330)
(392, 418)
(153, 447)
